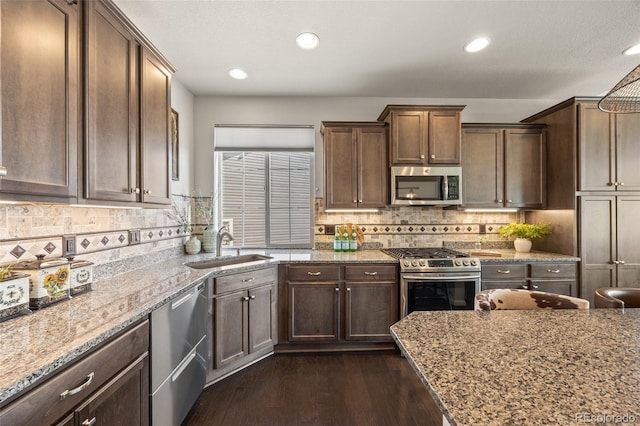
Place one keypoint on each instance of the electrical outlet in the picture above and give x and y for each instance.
(68, 245)
(329, 229)
(482, 228)
(134, 237)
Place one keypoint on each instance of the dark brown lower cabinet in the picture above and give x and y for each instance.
(337, 304)
(243, 320)
(554, 277)
(110, 386)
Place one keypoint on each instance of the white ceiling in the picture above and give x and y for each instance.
(551, 49)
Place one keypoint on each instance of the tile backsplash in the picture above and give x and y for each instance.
(103, 235)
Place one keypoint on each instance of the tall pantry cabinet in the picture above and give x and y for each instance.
(592, 170)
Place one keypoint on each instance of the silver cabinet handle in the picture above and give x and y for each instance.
(355, 201)
(619, 262)
(348, 288)
(134, 190)
(500, 271)
(611, 183)
(433, 156)
(535, 287)
(89, 422)
(524, 287)
(147, 191)
(314, 274)
(553, 271)
(498, 201)
(248, 280)
(245, 298)
(337, 289)
(252, 297)
(3, 171)
(373, 274)
(360, 201)
(80, 388)
(509, 201)
(621, 183)
(422, 156)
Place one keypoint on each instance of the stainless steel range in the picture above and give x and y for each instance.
(434, 279)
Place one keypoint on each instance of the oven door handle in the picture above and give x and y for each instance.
(447, 278)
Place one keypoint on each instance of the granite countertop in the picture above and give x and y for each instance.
(527, 366)
(511, 256)
(36, 345)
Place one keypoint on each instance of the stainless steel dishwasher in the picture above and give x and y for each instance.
(178, 355)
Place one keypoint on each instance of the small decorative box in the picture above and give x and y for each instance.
(81, 276)
(14, 295)
(48, 280)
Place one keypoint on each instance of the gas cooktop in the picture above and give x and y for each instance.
(424, 253)
(438, 259)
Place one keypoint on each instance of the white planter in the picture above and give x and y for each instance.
(209, 239)
(193, 245)
(522, 245)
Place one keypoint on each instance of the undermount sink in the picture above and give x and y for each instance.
(226, 260)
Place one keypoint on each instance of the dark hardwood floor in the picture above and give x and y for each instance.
(350, 388)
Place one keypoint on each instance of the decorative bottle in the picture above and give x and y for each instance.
(345, 239)
(337, 243)
(353, 240)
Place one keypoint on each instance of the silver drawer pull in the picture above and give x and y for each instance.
(500, 271)
(245, 298)
(83, 386)
(89, 422)
(373, 274)
(252, 297)
(314, 274)
(535, 287)
(248, 280)
(553, 271)
(337, 289)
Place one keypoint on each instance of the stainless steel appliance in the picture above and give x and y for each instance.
(434, 279)
(426, 186)
(178, 355)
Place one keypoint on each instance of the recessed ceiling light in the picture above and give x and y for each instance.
(238, 74)
(633, 50)
(308, 41)
(476, 45)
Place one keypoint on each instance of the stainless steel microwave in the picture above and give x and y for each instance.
(426, 186)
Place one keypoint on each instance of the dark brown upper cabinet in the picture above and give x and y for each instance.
(356, 165)
(423, 134)
(128, 104)
(40, 73)
(503, 166)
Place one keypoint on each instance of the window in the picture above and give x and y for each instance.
(265, 194)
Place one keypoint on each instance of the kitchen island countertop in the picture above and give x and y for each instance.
(527, 366)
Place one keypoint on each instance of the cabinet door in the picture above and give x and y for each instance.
(627, 152)
(111, 149)
(482, 167)
(597, 244)
(370, 309)
(409, 134)
(596, 149)
(524, 168)
(373, 171)
(40, 98)
(155, 93)
(444, 137)
(314, 312)
(231, 316)
(124, 400)
(262, 317)
(628, 236)
(340, 167)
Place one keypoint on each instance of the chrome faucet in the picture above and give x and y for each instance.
(223, 232)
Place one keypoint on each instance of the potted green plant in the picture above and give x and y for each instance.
(524, 233)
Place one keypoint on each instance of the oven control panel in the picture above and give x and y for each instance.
(465, 263)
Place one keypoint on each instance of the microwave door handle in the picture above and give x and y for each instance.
(445, 188)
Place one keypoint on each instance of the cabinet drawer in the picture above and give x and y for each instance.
(553, 270)
(504, 271)
(244, 280)
(314, 273)
(45, 404)
(371, 272)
